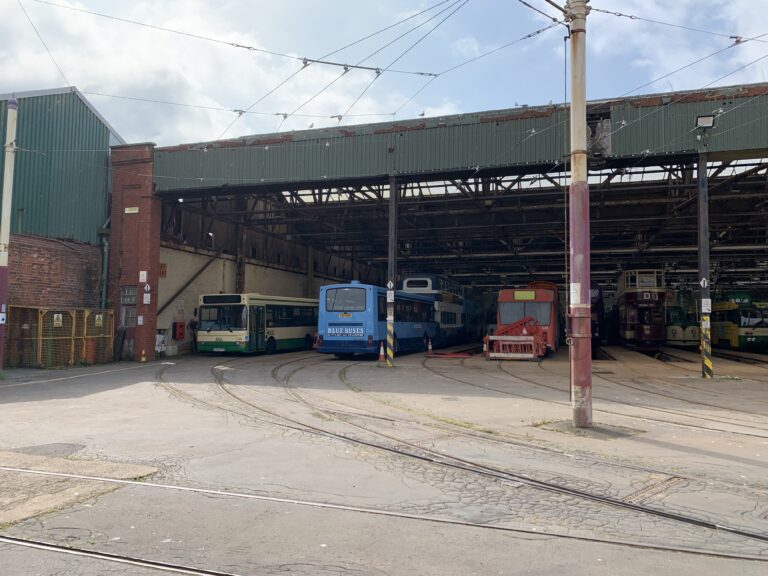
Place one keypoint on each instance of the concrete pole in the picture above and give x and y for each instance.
(310, 291)
(580, 308)
(705, 304)
(5, 218)
(394, 193)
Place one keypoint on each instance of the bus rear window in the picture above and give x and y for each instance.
(345, 300)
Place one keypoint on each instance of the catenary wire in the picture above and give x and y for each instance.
(340, 76)
(402, 54)
(471, 60)
(50, 55)
(547, 16)
(304, 60)
(286, 80)
(735, 37)
(215, 108)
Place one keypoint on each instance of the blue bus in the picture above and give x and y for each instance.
(448, 298)
(353, 320)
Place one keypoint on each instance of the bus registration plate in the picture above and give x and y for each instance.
(345, 331)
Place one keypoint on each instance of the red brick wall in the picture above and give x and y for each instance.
(46, 272)
(135, 239)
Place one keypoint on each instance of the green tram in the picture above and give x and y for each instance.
(738, 323)
(682, 327)
(247, 323)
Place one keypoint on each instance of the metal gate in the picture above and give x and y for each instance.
(51, 338)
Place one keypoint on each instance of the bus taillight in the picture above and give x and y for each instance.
(370, 340)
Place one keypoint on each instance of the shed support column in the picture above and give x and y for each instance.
(705, 303)
(394, 194)
(134, 260)
(310, 291)
(580, 307)
(242, 234)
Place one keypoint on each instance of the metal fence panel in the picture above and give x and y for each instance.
(54, 338)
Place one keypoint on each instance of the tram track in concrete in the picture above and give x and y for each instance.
(656, 392)
(452, 461)
(500, 367)
(425, 455)
(467, 466)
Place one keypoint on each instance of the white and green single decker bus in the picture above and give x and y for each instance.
(248, 323)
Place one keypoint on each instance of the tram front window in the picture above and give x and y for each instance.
(223, 318)
(510, 312)
(752, 318)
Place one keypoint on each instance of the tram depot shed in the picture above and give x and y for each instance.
(481, 198)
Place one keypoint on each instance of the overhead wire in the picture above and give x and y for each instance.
(735, 37)
(474, 59)
(411, 47)
(547, 16)
(340, 76)
(40, 37)
(304, 60)
(215, 108)
(291, 76)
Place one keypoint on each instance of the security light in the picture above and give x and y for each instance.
(705, 121)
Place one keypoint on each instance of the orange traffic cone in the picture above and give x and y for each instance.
(429, 346)
(485, 346)
(143, 355)
(381, 352)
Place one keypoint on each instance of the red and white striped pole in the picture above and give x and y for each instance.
(578, 205)
(5, 218)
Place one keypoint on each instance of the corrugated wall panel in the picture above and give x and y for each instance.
(642, 126)
(741, 124)
(61, 172)
(421, 149)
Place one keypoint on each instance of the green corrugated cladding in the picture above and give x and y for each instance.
(656, 125)
(436, 145)
(61, 173)
(664, 126)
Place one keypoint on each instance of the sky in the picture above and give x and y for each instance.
(226, 56)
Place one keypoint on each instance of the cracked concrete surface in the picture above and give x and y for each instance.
(178, 421)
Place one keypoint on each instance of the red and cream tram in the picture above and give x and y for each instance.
(641, 295)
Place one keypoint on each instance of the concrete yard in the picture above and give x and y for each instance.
(303, 464)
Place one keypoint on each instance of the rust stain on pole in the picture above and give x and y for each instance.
(580, 310)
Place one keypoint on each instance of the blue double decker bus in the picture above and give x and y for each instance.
(353, 320)
(448, 300)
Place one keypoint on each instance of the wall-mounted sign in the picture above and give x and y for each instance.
(142, 276)
(58, 321)
(147, 298)
(131, 209)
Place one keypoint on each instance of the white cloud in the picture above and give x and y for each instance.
(102, 55)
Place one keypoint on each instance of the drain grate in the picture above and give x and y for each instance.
(653, 490)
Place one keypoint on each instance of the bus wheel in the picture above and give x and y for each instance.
(271, 346)
(307, 342)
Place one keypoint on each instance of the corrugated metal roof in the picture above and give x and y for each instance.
(665, 124)
(520, 138)
(61, 177)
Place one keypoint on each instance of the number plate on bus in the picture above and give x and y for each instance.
(219, 350)
(345, 331)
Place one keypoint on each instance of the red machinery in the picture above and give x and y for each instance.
(521, 340)
(527, 323)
